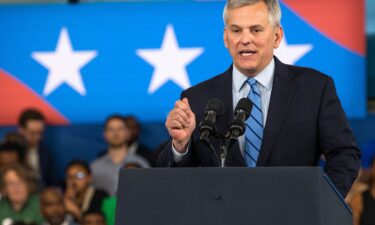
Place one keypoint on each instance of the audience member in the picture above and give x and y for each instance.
(11, 154)
(109, 203)
(363, 203)
(53, 209)
(93, 218)
(106, 168)
(80, 194)
(15, 137)
(20, 201)
(39, 158)
(133, 131)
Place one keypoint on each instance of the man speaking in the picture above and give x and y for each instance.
(296, 115)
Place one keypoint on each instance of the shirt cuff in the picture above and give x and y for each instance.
(177, 157)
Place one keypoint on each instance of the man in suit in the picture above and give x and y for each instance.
(296, 115)
(31, 126)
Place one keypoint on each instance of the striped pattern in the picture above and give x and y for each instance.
(254, 126)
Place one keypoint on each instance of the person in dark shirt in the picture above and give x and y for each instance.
(80, 195)
(363, 203)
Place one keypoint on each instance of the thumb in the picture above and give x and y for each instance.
(186, 101)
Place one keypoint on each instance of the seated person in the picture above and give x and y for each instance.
(363, 202)
(11, 154)
(53, 209)
(109, 203)
(80, 195)
(93, 218)
(20, 201)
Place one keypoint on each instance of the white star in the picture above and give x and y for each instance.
(64, 65)
(290, 54)
(169, 61)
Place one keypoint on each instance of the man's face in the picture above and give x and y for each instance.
(8, 158)
(77, 178)
(33, 132)
(52, 207)
(93, 219)
(116, 133)
(251, 38)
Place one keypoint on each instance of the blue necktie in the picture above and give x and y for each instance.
(254, 126)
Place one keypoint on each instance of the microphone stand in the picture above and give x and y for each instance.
(209, 145)
(228, 142)
(224, 152)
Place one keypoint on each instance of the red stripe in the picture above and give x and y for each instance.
(343, 21)
(16, 96)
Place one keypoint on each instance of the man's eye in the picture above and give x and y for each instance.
(235, 30)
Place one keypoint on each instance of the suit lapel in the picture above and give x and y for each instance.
(282, 94)
(224, 92)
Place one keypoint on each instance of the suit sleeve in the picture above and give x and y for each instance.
(337, 141)
(165, 157)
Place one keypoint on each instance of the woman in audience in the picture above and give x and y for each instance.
(20, 201)
(80, 195)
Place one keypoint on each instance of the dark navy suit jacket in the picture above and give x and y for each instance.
(305, 120)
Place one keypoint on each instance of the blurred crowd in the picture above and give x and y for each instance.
(30, 192)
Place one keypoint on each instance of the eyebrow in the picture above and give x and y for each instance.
(252, 26)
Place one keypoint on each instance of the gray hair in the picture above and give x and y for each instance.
(272, 5)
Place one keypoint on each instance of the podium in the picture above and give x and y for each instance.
(229, 196)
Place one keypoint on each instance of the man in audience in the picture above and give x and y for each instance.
(38, 157)
(93, 218)
(80, 195)
(11, 154)
(106, 168)
(133, 131)
(53, 209)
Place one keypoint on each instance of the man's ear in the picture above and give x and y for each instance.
(279, 34)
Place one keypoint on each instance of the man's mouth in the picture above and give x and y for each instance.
(246, 53)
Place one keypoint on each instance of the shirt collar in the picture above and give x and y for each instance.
(265, 77)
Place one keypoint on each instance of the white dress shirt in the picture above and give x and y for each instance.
(241, 89)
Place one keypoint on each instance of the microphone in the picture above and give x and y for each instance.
(241, 113)
(211, 114)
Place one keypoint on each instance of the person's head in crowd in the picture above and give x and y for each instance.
(252, 29)
(31, 125)
(15, 137)
(52, 206)
(115, 132)
(17, 184)
(11, 154)
(133, 128)
(78, 177)
(93, 218)
(136, 162)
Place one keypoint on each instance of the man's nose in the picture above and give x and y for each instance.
(246, 37)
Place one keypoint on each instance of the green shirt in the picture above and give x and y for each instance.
(109, 209)
(29, 213)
